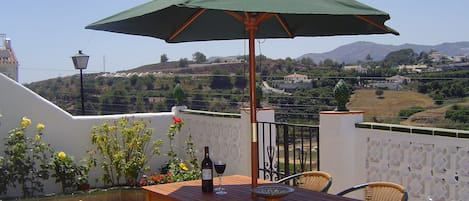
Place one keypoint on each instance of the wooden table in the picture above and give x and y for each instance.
(237, 186)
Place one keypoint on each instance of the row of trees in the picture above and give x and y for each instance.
(198, 57)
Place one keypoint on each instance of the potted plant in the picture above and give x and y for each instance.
(341, 95)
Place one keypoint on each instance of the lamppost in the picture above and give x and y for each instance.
(80, 61)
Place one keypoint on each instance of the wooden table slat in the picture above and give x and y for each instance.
(237, 186)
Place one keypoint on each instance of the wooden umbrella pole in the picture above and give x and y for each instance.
(251, 27)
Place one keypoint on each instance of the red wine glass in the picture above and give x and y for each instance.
(220, 169)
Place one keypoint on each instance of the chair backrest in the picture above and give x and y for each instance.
(380, 191)
(315, 180)
(312, 180)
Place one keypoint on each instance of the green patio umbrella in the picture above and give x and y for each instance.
(202, 20)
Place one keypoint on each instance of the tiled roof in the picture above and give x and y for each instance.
(7, 57)
(296, 75)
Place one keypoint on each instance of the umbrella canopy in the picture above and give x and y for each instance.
(202, 20)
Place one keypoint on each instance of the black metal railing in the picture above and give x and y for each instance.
(288, 149)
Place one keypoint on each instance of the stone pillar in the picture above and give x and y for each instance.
(338, 151)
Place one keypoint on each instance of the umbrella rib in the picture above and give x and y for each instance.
(370, 21)
(186, 23)
(284, 25)
(235, 15)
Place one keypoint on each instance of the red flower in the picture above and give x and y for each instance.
(176, 119)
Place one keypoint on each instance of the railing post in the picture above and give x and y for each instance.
(285, 150)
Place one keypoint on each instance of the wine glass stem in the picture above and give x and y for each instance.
(219, 182)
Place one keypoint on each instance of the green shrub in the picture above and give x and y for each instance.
(458, 113)
(67, 172)
(123, 149)
(25, 162)
(406, 113)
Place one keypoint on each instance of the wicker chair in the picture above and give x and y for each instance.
(312, 180)
(380, 191)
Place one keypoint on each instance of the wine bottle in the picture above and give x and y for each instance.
(207, 173)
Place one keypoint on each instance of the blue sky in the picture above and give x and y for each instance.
(46, 33)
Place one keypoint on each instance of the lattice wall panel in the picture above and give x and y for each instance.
(426, 169)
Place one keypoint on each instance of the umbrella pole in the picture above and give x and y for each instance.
(252, 93)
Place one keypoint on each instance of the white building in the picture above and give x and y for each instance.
(357, 68)
(8, 62)
(296, 78)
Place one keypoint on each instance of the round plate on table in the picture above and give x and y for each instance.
(272, 192)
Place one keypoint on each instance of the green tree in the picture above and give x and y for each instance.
(307, 61)
(458, 113)
(198, 57)
(183, 62)
(379, 93)
(329, 63)
(369, 58)
(163, 58)
(240, 80)
(178, 93)
(221, 80)
(400, 57)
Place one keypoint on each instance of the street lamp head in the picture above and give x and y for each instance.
(80, 60)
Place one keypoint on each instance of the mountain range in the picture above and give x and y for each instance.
(358, 51)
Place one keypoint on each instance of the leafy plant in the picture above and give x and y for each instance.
(177, 167)
(25, 161)
(67, 172)
(458, 113)
(123, 149)
(179, 94)
(406, 113)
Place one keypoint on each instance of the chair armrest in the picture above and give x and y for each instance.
(289, 177)
(353, 188)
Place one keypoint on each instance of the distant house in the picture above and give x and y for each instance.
(293, 81)
(414, 68)
(296, 78)
(393, 83)
(357, 68)
(436, 56)
(8, 62)
(458, 58)
(398, 79)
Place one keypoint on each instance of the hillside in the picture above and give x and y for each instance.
(386, 108)
(353, 52)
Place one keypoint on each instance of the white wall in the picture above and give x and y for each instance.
(425, 160)
(63, 131)
(227, 135)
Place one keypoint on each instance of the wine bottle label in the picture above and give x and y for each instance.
(207, 174)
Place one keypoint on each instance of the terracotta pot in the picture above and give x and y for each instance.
(84, 187)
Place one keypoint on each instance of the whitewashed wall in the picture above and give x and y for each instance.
(228, 135)
(63, 131)
(427, 161)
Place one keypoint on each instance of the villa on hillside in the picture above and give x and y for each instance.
(8, 62)
(357, 68)
(414, 68)
(296, 78)
(293, 81)
(393, 83)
